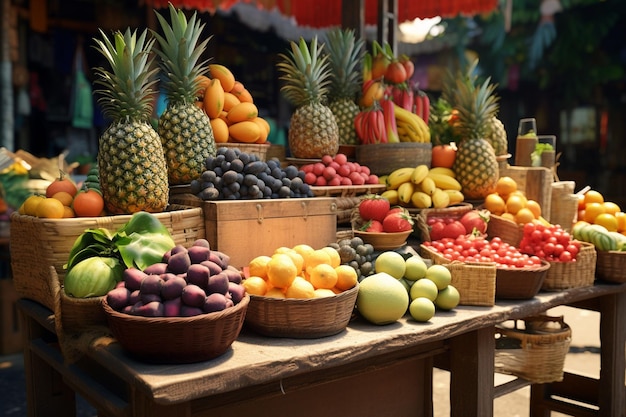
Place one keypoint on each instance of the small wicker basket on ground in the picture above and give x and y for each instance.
(301, 318)
(177, 339)
(581, 273)
(611, 266)
(536, 352)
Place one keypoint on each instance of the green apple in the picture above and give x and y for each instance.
(448, 298)
(392, 263)
(440, 275)
(424, 288)
(422, 309)
(415, 268)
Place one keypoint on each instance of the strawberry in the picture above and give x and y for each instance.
(373, 207)
(372, 226)
(397, 222)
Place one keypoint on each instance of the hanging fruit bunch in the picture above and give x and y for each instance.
(392, 109)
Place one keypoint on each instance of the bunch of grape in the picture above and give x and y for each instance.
(357, 254)
(235, 175)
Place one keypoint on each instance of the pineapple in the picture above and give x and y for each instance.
(345, 53)
(132, 169)
(313, 131)
(475, 166)
(184, 128)
(497, 136)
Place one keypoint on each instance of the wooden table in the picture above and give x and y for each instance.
(366, 371)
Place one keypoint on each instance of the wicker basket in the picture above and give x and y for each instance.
(581, 273)
(520, 283)
(476, 281)
(177, 339)
(564, 205)
(420, 217)
(37, 244)
(611, 266)
(301, 318)
(383, 158)
(507, 230)
(258, 149)
(384, 241)
(535, 353)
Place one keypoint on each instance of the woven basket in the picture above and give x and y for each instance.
(301, 318)
(564, 205)
(383, 158)
(520, 283)
(37, 244)
(535, 353)
(384, 241)
(611, 266)
(258, 149)
(420, 217)
(507, 230)
(581, 273)
(177, 339)
(475, 281)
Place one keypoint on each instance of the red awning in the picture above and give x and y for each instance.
(324, 13)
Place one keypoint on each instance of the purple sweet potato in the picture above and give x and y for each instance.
(178, 249)
(151, 284)
(189, 311)
(173, 288)
(171, 308)
(167, 276)
(203, 243)
(218, 284)
(156, 269)
(215, 257)
(152, 309)
(234, 275)
(236, 291)
(213, 267)
(214, 302)
(135, 297)
(118, 298)
(193, 296)
(198, 254)
(198, 274)
(224, 257)
(133, 277)
(147, 298)
(179, 262)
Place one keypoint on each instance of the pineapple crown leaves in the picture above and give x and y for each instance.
(345, 53)
(126, 92)
(180, 51)
(305, 73)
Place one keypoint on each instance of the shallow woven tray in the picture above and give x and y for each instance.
(535, 355)
(383, 241)
(611, 266)
(301, 318)
(177, 339)
(520, 283)
(581, 273)
(37, 244)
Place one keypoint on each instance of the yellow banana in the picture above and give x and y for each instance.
(407, 132)
(440, 199)
(391, 196)
(421, 200)
(405, 191)
(428, 185)
(405, 117)
(421, 171)
(455, 196)
(399, 176)
(382, 179)
(445, 182)
(424, 129)
(442, 170)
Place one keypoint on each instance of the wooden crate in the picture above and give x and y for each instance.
(10, 324)
(244, 229)
(536, 182)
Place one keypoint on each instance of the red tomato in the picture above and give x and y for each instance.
(443, 156)
(374, 208)
(397, 222)
(473, 219)
(395, 72)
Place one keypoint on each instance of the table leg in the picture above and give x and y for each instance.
(612, 392)
(471, 373)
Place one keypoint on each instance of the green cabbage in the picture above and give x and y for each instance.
(93, 277)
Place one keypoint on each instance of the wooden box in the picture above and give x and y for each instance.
(535, 182)
(10, 324)
(244, 229)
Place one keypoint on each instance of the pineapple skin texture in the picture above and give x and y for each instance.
(476, 168)
(132, 170)
(187, 139)
(345, 111)
(313, 132)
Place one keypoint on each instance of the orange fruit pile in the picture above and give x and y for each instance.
(593, 209)
(511, 203)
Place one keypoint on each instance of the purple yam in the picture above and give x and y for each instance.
(167, 276)
(198, 254)
(151, 284)
(173, 288)
(128, 309)
(193, 296)
(171, 308)
(135, 307)
(198, 274)
(132, 278)
(189, 311)
(203, 243)
(135, 297)
(179, 263)
(166, 256)
(233, 275)
(151, 309)
(214, 302)
(147, 298)
(121, 284)
(229, 303)
(178, 249)
(156, 269)
(213, 267)
(236, 291)
(118, 298)
(223, 257)
(215, 257)
(218, 283)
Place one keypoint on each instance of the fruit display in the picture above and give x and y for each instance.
(550, 243)
(337, 171)
(510, 203)
(594, 209)
(235, 175)
(471, 222)
(602, 238)
(299, 272)
(188, 282)
(376, 215)
(422, 187)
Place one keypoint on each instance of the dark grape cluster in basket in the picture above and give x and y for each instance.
(235, 175)
(189, 282)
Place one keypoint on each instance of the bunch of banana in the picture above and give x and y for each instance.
(411, 127)
(423, 187)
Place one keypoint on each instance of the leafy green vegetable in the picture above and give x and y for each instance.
(93, 277)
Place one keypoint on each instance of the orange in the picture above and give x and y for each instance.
(61, 184)
(515, 203)
(64, 197)
(346, 277)
(495, 204)
(505, 186)
(593, 196)
(275, 293)
(607, 220)
(534, 206)
(303, 249)
(323, 292)
(508, 216)
(581, 201)
(88, 203)
(300, 288)
(255, 285)
(258, 266)
(68, 213)
(281, 271)
(323, 276)
(611, 208)
(335, 259)
(318, 256)
(50, 208)
(524, 215)
(621, 221)
(593, 210)
(297, 259)
(30, 205)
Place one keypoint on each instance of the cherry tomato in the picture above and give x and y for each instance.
(565, 256)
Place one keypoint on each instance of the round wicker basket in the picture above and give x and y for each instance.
(520, 283)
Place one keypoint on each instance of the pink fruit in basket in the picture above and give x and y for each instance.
(218, 284)
(213, 267)
(152, 309)
(118, 298)
(189, 311)
(199, 254)
(474, 219)
(215, 302)
(198, 274)
(132, 277)
(236, 292)
(193, 296)
(156, 269)
(454, 229)
(171, 308)
(202, 242)
(173, 288)
(233, 274)
(148, 298)
(151, 284)
(179, 262)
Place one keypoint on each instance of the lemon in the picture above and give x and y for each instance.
(382, 299)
